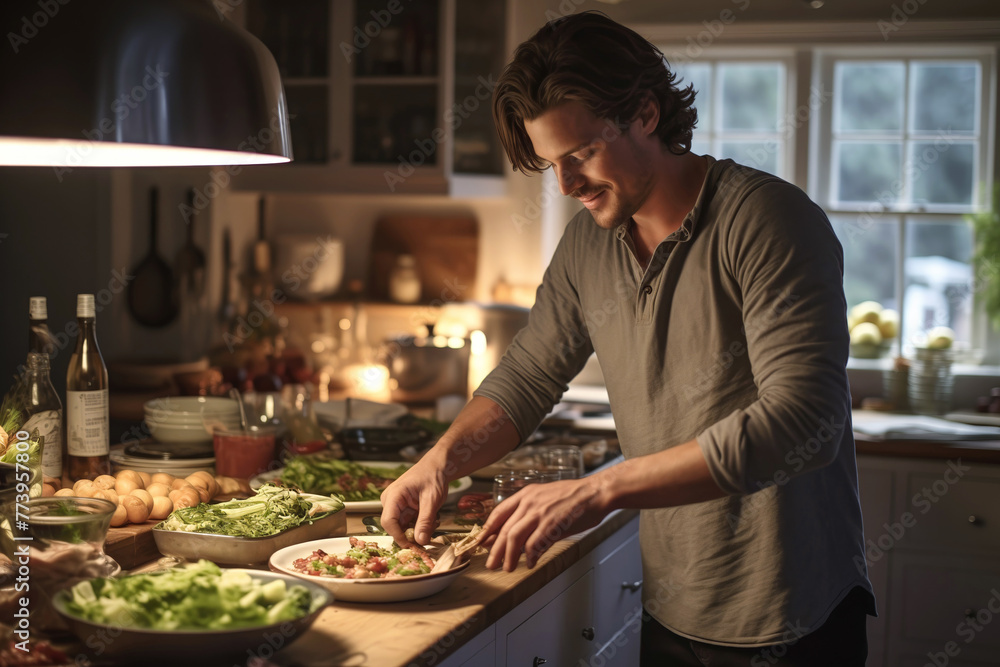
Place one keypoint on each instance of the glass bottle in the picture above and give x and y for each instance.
(39, 337)
(45, 412)
(87, 418)
(404, 281)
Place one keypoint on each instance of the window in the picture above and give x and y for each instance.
(895, 142)
(899, 157)
(741, 111)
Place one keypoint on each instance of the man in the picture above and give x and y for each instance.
(713, 296)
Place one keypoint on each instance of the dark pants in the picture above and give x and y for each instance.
(842, 641)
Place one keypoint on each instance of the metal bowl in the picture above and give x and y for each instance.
(378, 443)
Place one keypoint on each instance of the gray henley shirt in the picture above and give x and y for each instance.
(734, 335)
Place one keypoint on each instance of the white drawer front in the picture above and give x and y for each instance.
(952, 512)
(557, 633)
(618, 599)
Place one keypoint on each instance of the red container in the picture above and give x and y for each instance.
(243, 454)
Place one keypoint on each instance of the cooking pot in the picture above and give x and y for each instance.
(308, 266)
(422, 369)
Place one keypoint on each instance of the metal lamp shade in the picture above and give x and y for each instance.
(136, 83)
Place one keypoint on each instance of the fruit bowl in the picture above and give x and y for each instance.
(871, 350)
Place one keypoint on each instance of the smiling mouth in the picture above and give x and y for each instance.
(590, 200)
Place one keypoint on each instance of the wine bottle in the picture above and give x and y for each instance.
(45, 413)
(87, 426)
(39, 338)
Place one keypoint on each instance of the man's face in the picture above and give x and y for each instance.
(594, 160)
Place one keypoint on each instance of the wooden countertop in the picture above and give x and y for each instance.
(424, 632)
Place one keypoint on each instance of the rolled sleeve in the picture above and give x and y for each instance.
(788, 264)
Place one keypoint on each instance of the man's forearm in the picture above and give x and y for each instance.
(675, 476)
(480, 435)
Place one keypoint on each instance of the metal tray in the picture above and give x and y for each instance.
(229, 550)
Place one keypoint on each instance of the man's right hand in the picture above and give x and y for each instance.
(414, 500)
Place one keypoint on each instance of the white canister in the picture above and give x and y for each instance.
(404, 281)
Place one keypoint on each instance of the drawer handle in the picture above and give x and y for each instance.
(633, 587)
(588, 634)
(538, 661)
(975, 520)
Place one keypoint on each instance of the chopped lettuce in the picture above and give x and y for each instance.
(198, 596)
(272, 510)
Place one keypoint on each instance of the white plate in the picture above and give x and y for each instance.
(454, 492)
(363, 413)
(396, 589)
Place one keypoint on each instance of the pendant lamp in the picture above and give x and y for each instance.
(105, 83)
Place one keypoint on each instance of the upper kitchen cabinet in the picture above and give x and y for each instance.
(385, 96)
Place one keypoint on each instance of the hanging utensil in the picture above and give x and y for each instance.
(190, 259)
(151, 297)
(227, 309)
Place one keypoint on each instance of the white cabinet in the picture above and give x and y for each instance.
(385, 97)
(933, 533)
(590, 613)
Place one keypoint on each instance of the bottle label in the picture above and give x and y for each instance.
(49, 426)
(87, 431)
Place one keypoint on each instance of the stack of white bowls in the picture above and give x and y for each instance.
(190, 419)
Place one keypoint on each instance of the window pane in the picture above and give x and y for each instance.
(868, 171)
(944, 96)
(761, 155)
(701, 147)
(870, 257)
(750, 96)
(868, 96)
(942, 173)
(938, 277)
(699, 75)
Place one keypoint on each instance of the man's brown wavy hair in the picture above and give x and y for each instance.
(590, 59)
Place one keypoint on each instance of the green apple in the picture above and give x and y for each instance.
(867, 311)
(888, 323)
(866, 333)
(940, 338)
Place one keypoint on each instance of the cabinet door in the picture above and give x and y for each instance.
(939, 599)
(619, 590)
(557, 634)
(876, 487)
(622, 650)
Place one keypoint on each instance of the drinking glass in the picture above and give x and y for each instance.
(510, 482)
(567, 459)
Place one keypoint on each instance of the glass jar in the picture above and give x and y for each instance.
(404, 281)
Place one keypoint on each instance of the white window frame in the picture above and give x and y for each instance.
(805, 44)
(822, 136)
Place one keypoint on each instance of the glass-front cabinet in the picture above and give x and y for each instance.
(385, 96)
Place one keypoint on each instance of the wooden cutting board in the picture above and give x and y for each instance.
(446, 251)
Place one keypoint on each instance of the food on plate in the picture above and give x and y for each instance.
(325, 475)
(195, 596)
(366, 560)
(271, 510)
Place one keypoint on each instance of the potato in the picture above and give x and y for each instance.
(135, 508)
(162, 507)
(105, 481)
(158, 489)
(120, 517)
(179, 483)
(163, 478)
(132, 475)
(144, 495)
(126, 485)
(48, 490)
(107, 494)
(187, 498)
(227, 485)
(65, 493)
(146, 478)
(54, 482)
(84, 488)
